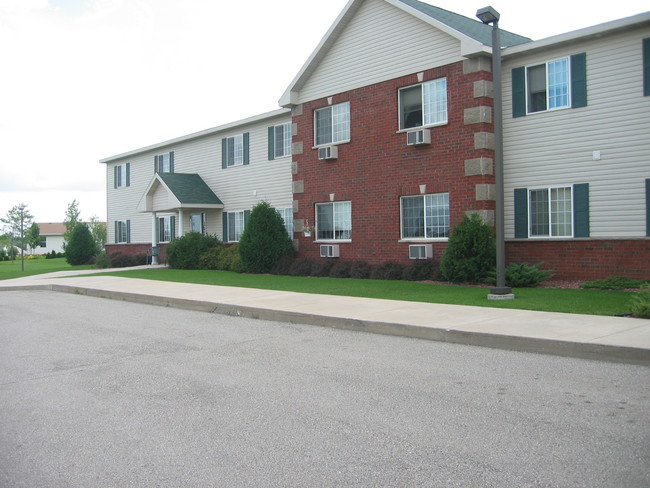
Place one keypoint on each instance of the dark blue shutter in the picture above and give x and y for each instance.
(646, 67)
(224, 152)
(172, 226)
(171, 161)
(247, 214)
(271, 143)
(115, 239)
(115, 170)
(521, 213)
(128, 174)
(246, 151)
(581, 210)
(579, 80)
(128, 231)
(225, 226)
(647, 207)
(519, 92)
(155, 164)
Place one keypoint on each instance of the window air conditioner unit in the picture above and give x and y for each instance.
(328, 152)
(329, 251)
(421, 251)
(418, 137)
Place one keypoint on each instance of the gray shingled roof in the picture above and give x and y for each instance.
(470, 27)
(189, 188)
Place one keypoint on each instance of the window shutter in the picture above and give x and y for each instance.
(115, 239)
(224, 152)
(247, 214)
(521, 213)
(579, 80)
(155, 164)
(115, 169)
(204, 223)
(581, 210)
(647, 207)
(128, 232)
(171, 161)
(172, 226)
(246, 152)
(224, 217)
(519, 92)
(128, 174)
(646, 67)
(271, 143)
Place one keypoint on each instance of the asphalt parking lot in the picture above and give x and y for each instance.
(98, 392)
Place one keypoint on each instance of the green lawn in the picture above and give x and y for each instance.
(594, 302)
(12, 269)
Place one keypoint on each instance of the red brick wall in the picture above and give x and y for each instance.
(585, 259)
(377, 167)
(135, 249)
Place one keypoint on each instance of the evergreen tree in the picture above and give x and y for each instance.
(72, 218)
(81, 246)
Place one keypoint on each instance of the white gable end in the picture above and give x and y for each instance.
(380, 42)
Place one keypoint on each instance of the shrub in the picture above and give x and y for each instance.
(322, 267)
(360, 270)
(102, 260)
(341, 269)
(283, 266)
(119, 260)
(614, 283)
(421, 270)
(81, 246)
(301, 267)
(470, 253)
(523, 275)
(185, 252)
(264, 240)
(390, 270)
(640, 304)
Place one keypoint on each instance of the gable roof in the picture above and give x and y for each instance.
(51, 228)
(185, 190)
(474, 36)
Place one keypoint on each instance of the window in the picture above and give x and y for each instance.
(334, 221)
(332, 124)
(122, 175)
(234, 150)
(424, 104)
(122, 231)
(197, 223)
(164, 163)
(166, 228)
(280, 141)
(43, 241)
(425, 216)
(234, 224)
(552, 212)
(552, 85)
(287, 218)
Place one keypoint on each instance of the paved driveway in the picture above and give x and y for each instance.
(104, 393)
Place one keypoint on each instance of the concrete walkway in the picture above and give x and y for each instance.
(618, 339)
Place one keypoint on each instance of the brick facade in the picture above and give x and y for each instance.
(377, 167)
(135, 250)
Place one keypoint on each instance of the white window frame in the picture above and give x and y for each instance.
(236, 222)
(235, 154)
(341, 216)
(282, 140)
(121, 176)
(339, 127)
(551, 212)
(548, 85)
(122, 236)
(428, 216)
(287, 217)
(434, 110)
(201, 222)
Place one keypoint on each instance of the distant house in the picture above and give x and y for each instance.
(51, 237)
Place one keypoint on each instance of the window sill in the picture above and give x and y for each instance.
(332, 144)
(332, 241)
(424, 240)
(431, 126)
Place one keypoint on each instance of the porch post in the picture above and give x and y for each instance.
(180, 222)
(154, 237)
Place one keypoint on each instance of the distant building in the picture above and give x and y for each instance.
(51, 237)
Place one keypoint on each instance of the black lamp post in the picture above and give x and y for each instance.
(22, 238)
(489, 15)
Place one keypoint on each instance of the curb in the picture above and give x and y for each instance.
(599, 352)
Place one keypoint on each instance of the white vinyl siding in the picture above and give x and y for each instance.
(557, 146)
(381, 42)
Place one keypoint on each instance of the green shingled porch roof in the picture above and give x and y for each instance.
(470, 27)
(189, 188)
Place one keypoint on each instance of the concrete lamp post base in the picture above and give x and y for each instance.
(501, 293)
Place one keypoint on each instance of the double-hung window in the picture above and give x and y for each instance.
(122, 175)
(332, 124)
(164, 163)
(334, 221)
(234, 224)
(122, 231)
(425, 216)
(287, 217)
(197, 223)
(279, 141)
(234, 150)
(166, 228)
(424, 104)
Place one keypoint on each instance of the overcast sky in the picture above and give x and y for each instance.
(82, 80)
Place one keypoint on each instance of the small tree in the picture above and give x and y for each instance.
(33, 236)
(18, 220)
(471, 252)
(264, 241)
(72, 218)
(98, 231)
(81, 246)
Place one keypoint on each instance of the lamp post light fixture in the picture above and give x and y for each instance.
(489, 15)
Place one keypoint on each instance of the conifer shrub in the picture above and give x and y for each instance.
(390, 270)
(614, 283)
(523, 275)
(102, 260)
(421, 270)
(360, 270)
(471, 252)
(301, 267)
(640, 303)
(264, 240)
(341, 269)
(185, 252)
(283, 266)
(81, 247)
(322, 267)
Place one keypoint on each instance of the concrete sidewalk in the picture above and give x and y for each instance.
(618, 339)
